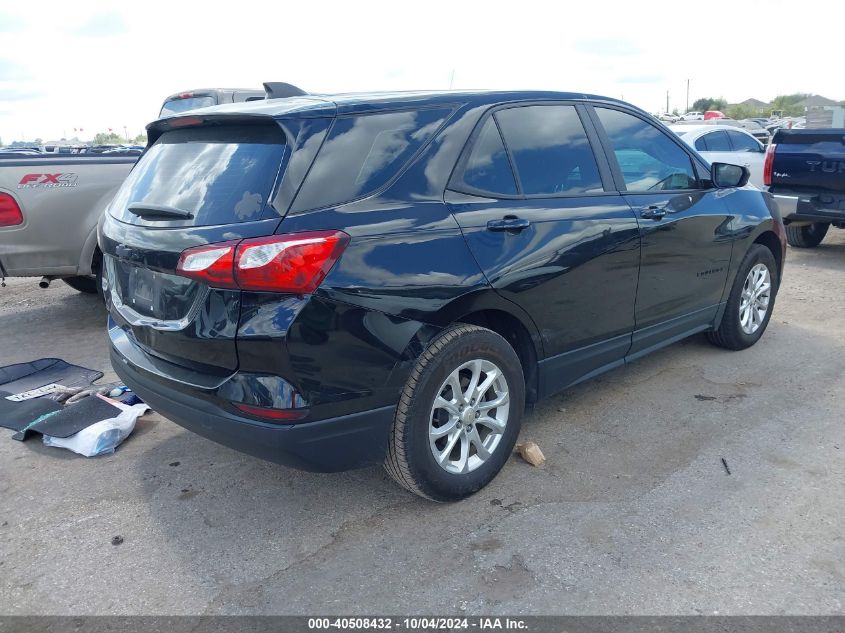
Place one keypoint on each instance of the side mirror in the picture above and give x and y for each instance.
(725, 175)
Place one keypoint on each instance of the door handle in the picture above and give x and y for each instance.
(509, 223)
(653, 212)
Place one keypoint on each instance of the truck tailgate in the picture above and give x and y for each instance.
(810, 160)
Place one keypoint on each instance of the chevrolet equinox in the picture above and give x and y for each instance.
(333, 281)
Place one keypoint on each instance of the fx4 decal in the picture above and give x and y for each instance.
(30, 181)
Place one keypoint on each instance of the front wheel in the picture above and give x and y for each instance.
(807, 236)
(751, 301)
(458, 416)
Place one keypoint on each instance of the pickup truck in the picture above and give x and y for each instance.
(49, 207)
(805, 171)
(207, 97)
(50, 204)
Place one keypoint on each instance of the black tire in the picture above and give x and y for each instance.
(730, 333)
(90, 284)
(410, 461)
(85, 283)
(807, 236)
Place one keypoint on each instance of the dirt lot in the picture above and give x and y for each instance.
(632, 513)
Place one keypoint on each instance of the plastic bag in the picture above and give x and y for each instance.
(101, 437)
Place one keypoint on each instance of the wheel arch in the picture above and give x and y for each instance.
(485, 308)
(518, 336)
(90, 256)
(770, 240)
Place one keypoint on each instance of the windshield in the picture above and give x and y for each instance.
(175, 106)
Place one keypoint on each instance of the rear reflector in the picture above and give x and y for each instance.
(768, 164)
(10, 212)
(295, 263)
(279, 415)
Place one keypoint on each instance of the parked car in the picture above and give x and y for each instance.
(692, 116)
(727, 145)
(49, 208)
(713, 114)
(667, 117)
(207, 97)
(332, 281)
(805, 170)
(755, 129)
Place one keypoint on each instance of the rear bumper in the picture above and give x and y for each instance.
(331, 445)
(796, 207)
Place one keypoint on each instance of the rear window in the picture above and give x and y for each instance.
(175, 106)
(221, 175)
(487, 167)
(363, 153)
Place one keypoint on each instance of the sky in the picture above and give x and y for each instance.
(94, 65)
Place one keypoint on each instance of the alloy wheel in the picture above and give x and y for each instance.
(755, 298)
(469, 416)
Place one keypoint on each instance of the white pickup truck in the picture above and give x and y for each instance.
(49, 208)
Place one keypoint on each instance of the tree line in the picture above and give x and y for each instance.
(787, 103)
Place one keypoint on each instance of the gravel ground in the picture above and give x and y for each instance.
(633, 512)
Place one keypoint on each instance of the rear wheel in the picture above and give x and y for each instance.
(86, 283)
(751, 301)
(458, 416)
(808, 235)
(89, 284)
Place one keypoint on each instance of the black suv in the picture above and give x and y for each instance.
(332, 281)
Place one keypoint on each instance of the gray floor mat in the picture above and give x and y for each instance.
(44, 371)
(71, 419)
(17, 415)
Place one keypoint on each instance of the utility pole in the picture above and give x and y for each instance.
(687, 110)
(125, 133)
(667, 101)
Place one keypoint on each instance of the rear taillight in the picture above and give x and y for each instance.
(295, 263)
(10, 212)
(767, 164)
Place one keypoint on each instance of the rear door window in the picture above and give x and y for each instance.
(363, 153)
(717, 142)
(648, 157)
(487, 168)
(221, 175)
(742, 142)
(550, 150)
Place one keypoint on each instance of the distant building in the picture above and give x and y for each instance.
(816, 101)
(823, 112)
(754, 103)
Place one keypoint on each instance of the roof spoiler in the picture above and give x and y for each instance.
(280, 90)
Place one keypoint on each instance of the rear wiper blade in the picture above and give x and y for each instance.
(151, 211)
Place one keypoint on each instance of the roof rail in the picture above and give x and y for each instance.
(280, 90)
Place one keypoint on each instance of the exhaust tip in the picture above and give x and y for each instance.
(45, 282)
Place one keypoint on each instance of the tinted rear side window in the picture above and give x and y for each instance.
(550, 150)
(742, 143)
(648, 157)
(362, 153)
(717, 142)
(487, 167)
(221, 175)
